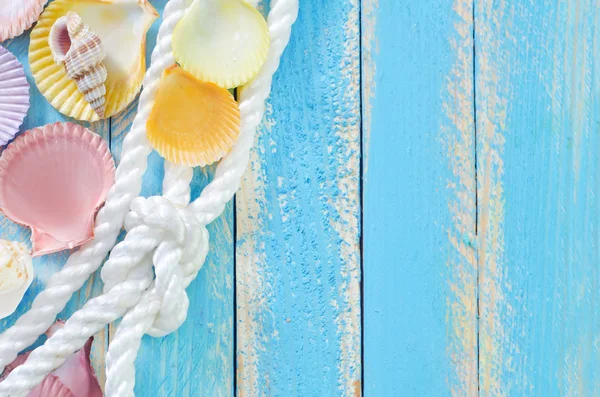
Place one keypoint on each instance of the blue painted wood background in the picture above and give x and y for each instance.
(420, 215)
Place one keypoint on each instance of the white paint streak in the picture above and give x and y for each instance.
(458, 137)
(346, 204)
(250, 262)
(493, 96)
(370, 47)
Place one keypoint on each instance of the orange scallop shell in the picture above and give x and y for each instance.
(193, 122)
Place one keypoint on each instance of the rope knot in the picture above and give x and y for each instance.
(176, 241)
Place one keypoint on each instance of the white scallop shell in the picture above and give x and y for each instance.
(16, 275)
(14, 96)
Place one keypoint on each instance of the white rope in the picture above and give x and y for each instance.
(162, 235)
(109, 222)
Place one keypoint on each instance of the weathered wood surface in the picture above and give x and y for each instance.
(538, 142)
(420, 271)
(475, 175)
(298, 254)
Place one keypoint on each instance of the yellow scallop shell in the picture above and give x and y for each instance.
(192, 122)
(222, 41)
(122, 26)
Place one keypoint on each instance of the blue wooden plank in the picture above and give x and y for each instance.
(41, 113)
(538, 134)
(298, 254)
(198, 359)
(420, 271)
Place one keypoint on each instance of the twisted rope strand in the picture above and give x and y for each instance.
(123, 349)
(139, 320)
(132, 275)
(217, 194)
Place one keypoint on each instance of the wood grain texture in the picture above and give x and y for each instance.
(198, 359)
(298, 254)
(538, 133)
(41, 113)
(420, 273)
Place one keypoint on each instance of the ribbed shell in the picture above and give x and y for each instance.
(53, 179)
(14, 96)
(122, 26)
(192, 122)
(81, 51)
(16, 16)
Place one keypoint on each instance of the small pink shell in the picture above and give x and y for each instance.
(14, 96)
(53, 179)
(16, 16)
(75, 378)
(51, 387)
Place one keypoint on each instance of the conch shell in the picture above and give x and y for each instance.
(122, 26)
(76, 46)
(16, 275)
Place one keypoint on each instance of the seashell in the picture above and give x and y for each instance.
(80, 50)
(192, 122)
(16, 275)
(75, 378)
(14, 96)
(121, 26)
(222, 41)
(16, 16)
(51, 386)
(53, 179)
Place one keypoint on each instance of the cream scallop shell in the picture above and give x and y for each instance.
(122, 26)
(221, 41)
(16, 275)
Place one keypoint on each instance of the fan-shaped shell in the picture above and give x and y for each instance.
(16, 16)
(52, 387)
(75, 378)
(222, 41)
(122, 26)
(14, 96)
(53, 179)
(192, 122)
(16, 275)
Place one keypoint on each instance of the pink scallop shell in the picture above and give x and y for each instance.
(53, 179)
(51, 387)
(16, 16)
(14, 96)
(75, 378)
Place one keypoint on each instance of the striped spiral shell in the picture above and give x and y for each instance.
(81, 51)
